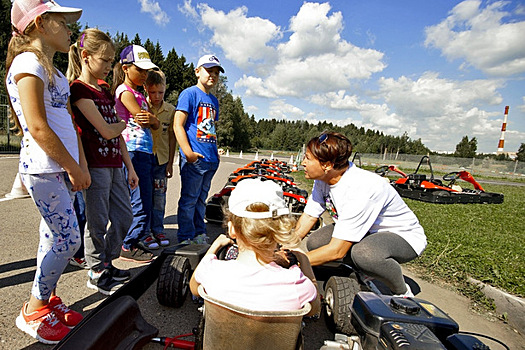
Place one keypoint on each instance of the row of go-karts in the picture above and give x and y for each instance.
(268, 169)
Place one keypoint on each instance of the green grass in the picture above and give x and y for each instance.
(482, 241)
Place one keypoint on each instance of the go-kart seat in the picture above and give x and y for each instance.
(231, 327)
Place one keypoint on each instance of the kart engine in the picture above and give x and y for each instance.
(384, 322)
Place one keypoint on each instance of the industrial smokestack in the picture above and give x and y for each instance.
(503, 128)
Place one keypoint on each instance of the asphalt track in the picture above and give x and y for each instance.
(19, 222)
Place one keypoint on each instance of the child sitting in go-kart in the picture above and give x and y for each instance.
(259, 221)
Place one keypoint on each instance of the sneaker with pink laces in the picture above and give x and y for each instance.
(43, 325)
(68, 317)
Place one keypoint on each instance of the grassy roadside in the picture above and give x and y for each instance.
(482, 241)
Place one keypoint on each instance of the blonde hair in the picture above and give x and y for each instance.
(92, 41)
(22, 42)
(262, 235)
(118, 76)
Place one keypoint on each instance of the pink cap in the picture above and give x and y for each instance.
(24, 11)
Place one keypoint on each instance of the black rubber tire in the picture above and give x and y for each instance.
(173, 282)
(339, 296)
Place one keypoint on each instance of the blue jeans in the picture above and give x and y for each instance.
(160, 186)
(141, 199)
(195, 181)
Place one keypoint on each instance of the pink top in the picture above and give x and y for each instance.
(260, 288)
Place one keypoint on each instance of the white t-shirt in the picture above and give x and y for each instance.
(267, 287)
(33, 159)
(362, 202)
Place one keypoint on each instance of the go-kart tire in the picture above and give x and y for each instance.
(339, 296)
(173, 282)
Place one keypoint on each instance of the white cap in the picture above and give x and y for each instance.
(251, 191)
(208, 61)
(138, 56)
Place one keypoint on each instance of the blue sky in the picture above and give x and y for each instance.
(436, 69)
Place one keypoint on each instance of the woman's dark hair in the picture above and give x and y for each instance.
(331, 147)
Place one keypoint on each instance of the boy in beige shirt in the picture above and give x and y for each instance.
(164, 145)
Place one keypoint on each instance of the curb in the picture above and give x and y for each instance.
(506, 304)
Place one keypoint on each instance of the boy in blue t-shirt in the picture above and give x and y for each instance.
(194, 126)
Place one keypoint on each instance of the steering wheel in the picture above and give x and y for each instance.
(223, 252)
(382, 170)
(453, 176)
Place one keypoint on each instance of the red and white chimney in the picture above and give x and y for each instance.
(503, 128)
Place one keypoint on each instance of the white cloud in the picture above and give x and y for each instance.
(336, 100)
(157, 14)
(314, 32)
(478, 36)
(243, 39)
(251, 109)
(441, 111)
(188, 10)
(279, 109)
(314, 59)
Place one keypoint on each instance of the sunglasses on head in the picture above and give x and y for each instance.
(323, 137)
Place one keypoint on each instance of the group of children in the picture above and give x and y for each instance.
(113, 144)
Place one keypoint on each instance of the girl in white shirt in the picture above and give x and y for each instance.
(52, 163)
(258, 218)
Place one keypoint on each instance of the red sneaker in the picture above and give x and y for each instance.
(43, 325)
(68, 317)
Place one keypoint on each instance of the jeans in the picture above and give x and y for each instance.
(160, 186)
(195, 181)
(141, 199)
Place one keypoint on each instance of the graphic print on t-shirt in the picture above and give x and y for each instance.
(329, 205)
(58, 97)
(206, 123)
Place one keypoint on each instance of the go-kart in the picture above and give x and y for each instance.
(365, 315)
(417, 186)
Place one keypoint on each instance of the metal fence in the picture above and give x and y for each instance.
(9, 141)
